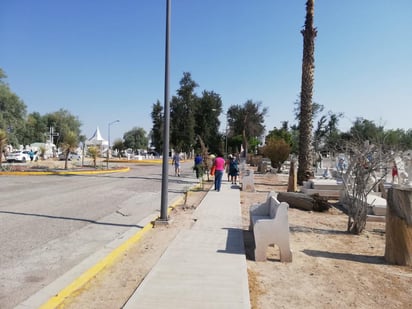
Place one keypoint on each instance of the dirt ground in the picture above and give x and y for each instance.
(330, 268)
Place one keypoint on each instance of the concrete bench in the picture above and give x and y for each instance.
(270, 225)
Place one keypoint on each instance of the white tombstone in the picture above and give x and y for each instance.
(248, 183)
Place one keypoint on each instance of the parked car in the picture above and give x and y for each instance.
(71, 156)
(18, 156)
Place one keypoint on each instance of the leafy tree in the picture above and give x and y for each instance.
(36, 129)
(206, 113)
(182, 121)
(308, 68)
(135, 139)
(119, 145)
(366, 130)
(282, 133)
(277, 150)
(42, 151)
(234, 143)
(247, 121)
(69, 144)
(63, 122)
(317, 109)
(157, 129)
(94, 152)
(326, 135)
(405, 139)
(294, 132)
(12, 113)
(3, 141)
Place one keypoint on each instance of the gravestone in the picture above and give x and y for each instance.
(248, 183)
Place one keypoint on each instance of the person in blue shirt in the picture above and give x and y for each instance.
(198, 165)
(31, 155)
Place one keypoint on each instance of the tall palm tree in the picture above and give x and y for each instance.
(3, 140)
(308, 68)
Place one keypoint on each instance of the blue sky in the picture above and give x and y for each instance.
(104, 60)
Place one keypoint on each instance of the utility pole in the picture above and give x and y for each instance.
(166, 129)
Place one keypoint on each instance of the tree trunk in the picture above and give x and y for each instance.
(245, 144)
(296, 200)
(308, 68)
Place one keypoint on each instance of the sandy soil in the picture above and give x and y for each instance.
(330, 268)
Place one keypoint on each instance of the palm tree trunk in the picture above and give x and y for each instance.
(245, 144)
(308, 68)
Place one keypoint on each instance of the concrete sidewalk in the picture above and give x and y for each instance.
(205, 265)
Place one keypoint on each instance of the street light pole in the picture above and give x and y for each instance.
(166, 125)
(108, 146)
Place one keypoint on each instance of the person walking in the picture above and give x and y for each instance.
(219, 164)
(227, 167)
(31, 155)
(233, 169)
(198, 166)
(176, 163)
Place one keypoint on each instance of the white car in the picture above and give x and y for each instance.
(18, 156)
(71, 156)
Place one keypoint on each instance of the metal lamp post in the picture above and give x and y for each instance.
(166, 127)
(108, 146)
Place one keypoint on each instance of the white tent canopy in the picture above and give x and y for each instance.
(97, 139)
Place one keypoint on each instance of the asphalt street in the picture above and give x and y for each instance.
(49, 224)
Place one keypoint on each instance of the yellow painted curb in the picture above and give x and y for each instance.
(84, 278)
(119, 170)
(144, 161)
(89, 274)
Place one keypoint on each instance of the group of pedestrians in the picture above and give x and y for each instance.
(231, 166)
(219, 166)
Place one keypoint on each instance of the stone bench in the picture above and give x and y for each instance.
(270, 225)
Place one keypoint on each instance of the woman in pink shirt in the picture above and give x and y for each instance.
(219, 164)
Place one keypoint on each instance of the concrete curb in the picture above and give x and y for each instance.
(89, 172)
(84, 277)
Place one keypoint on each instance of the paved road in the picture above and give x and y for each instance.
(49, 224)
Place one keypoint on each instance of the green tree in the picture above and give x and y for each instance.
(36, 129)
(206, 113)
(246, 121)
(308, 69)
(63, 122)
(3, 141)
(12, 113)
(277, 150)
(326, 135)
(366, 130)
(182, 121)
(282, 133)
(135, 139)
(69, 144)
(93, 152)
(119, 145)
(405, 139)
(157, 129)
